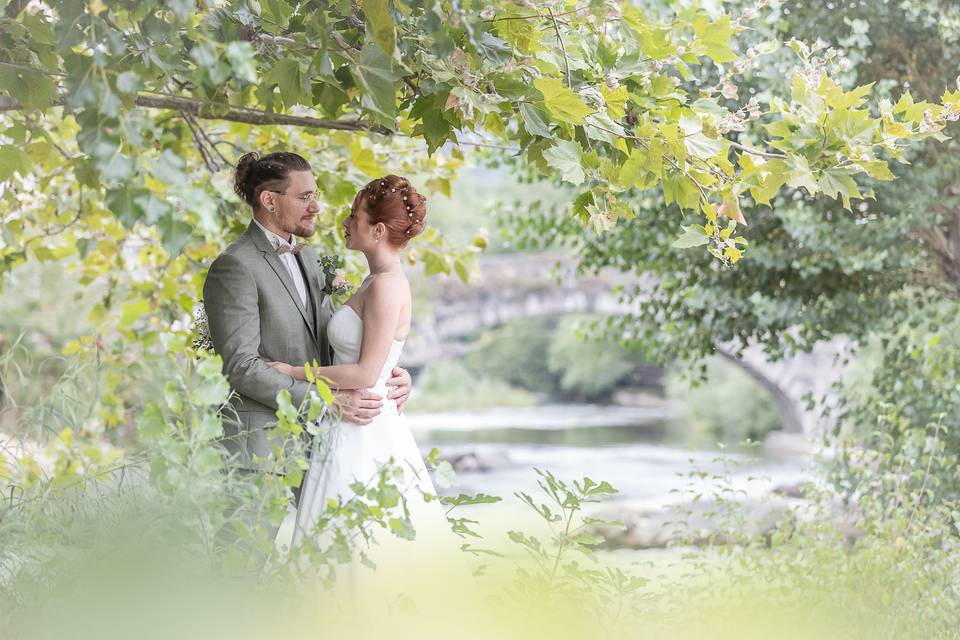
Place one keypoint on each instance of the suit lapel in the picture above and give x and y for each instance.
(316, 280)
(270, 255)
(312, 272)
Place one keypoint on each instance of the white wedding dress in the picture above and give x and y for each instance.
(351, 453)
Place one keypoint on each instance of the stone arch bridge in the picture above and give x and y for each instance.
(516, 286)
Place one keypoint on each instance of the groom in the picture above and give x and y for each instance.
(264, 302)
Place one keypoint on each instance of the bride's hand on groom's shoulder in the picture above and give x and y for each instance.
(401, 383)
(358, 407)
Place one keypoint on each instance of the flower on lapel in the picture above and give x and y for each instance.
(334, 278)
(201, 329)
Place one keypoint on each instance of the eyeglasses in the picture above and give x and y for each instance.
(306, 200)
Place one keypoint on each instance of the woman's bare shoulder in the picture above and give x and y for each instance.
(387, 287)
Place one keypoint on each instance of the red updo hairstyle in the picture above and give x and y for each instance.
(393, 201)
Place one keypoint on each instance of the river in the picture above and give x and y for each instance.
(626, 446)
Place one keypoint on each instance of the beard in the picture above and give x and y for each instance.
(304, 230)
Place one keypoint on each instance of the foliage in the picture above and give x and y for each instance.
(895, 437)
(604, 99)
(516, 352)
(815, 270)
(725, 384)
(588, 369)
(449, 385)
(548, 355)
(803, 582)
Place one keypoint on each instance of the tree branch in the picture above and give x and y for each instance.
(535, 16)
(757, 152)
(563, 49)
(208, 160)
(211, 147)
(206, 110)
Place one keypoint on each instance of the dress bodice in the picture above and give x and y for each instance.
(345, 333)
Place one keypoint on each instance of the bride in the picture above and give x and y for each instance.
(367, 335)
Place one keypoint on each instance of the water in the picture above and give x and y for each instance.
(626, 446)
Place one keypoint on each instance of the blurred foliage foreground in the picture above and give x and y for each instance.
(169, 542)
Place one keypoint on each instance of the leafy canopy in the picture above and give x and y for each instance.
(110, 98)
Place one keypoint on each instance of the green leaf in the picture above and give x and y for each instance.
(242, 59)
(565, 158)
(839, 182)
(693, 236)
(700, 146)
(462, 271)
(133, 311)
(13, 160)
(522, 33)
(128, 82)
(126, 203)
(682, 190)
(713, 38)
(777, 174)
(434, 263)
(436, 129)
(402, 528)
(657, 43)
(534, 120)
(562, 103)
(878, 169)
(326, 394)
(380, 23)
(375, 75)
(175, 234)
(286, 75)
(209, 427)
(616, 100)
(151, 424)
(33, 90)
(633, 170)
(116, 168)
(363, 159)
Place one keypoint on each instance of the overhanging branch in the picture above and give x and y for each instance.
(218, 111)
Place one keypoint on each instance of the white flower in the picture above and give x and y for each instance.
(339, 279)
(728, 90)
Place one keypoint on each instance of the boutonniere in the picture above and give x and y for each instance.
(201, 330)
(334, 278)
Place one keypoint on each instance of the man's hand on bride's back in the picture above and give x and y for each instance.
(401, 384)
(356, 406)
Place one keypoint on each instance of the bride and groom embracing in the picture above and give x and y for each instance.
(269, 313)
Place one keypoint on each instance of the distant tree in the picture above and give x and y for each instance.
(815, 269)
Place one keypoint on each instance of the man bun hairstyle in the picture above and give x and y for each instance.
(256, 173)
(394, 202)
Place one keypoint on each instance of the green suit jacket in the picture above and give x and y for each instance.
(255, 316)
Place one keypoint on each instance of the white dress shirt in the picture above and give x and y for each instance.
(289, 261)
